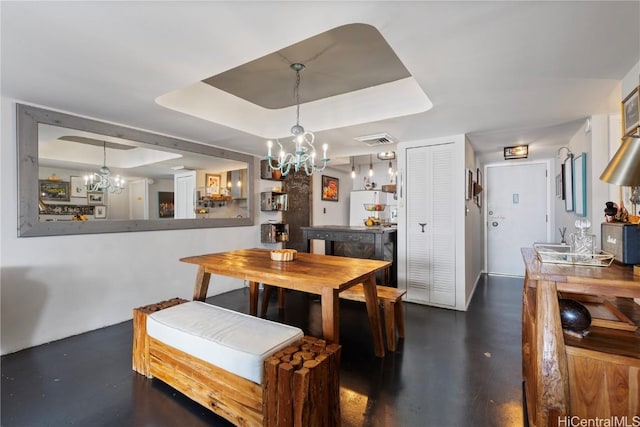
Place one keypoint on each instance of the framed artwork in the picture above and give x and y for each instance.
(567, 183)
(580, 184)
(165, 204)
(477, 191)
(469, 192)
(330, 188)
(100, 212)
(212, 183)
(630, 113)
(78, 188)
(54, 191)
(562, 193)
(96, 198)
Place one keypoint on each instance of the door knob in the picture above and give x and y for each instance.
(422, 224)
(494, 223)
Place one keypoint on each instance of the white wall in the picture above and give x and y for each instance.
(326, 212)
(54, 287)
(474, 229)
(600, 144)
(630, 81)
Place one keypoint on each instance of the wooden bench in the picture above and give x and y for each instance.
(390, 299)
(300, 384)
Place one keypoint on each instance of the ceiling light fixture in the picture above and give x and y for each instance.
(387, 155)
(304, 156)
(370, 165)
(100, 181)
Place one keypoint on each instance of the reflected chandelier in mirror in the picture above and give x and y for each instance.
(167, 179)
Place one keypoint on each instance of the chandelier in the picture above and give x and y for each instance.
(100, 181)
(304, 155)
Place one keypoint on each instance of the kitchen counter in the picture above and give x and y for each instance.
(358, 242)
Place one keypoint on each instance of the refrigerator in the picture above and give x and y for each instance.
(357, 212)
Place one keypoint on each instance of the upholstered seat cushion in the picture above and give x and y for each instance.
(233, 341)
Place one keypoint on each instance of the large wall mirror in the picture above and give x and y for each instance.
(156, 182)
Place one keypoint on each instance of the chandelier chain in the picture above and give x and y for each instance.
(296, 95)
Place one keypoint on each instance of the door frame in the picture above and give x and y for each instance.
(485, 228)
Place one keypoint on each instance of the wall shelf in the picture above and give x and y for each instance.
(274, 233)
(273, 201)
(267, 173)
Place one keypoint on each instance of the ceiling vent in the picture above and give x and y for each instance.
(377, 139)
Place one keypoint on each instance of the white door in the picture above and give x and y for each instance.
(430, 264)
(517, 214)
(184, 185)
(139, 199)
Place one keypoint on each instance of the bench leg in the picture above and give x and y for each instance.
(400, 318)
(390, 324)
(141, 361)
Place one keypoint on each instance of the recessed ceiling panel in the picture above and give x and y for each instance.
(341, 60)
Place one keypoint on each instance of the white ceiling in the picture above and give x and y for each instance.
(502, 72)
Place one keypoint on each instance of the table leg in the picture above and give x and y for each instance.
(202, 284)
(253, 298)
(330, 315)
(371, 300)
(266, 294)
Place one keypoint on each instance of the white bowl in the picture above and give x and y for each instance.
(283, 254)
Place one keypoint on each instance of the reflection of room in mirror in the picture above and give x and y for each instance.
(69, 148)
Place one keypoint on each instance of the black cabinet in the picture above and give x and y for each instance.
(358, 242)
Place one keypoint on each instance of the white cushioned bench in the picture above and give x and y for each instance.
(251, 371)
(236, 342)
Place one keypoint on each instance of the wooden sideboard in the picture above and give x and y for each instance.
(595, 376)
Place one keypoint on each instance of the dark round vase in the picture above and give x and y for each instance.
(573, 315)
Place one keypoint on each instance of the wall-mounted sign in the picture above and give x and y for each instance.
(516, 152)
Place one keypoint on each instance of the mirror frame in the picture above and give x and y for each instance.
(29, 225)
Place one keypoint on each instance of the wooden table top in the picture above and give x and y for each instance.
(308, 272)
(615, 280)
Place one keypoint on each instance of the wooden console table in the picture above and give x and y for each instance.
(597, 376)
(364, 242)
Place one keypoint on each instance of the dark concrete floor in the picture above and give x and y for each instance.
(453, 369)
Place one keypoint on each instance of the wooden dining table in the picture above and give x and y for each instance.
(322, 275)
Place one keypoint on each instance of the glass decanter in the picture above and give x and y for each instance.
(583, 244)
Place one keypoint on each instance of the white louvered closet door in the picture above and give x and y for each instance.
(430, 227)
